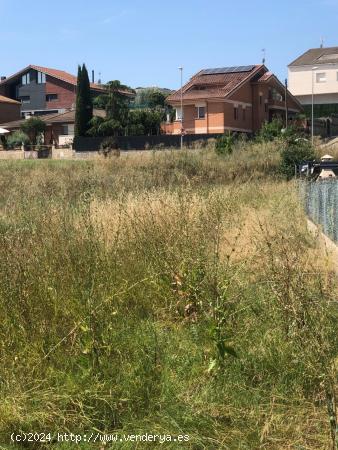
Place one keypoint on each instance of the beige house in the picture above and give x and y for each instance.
(316, 69)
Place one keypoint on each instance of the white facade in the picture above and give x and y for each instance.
(324, 79)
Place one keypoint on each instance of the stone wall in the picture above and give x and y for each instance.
(62, 153)
(12, 154)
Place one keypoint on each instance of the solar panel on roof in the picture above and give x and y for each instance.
(222, 70)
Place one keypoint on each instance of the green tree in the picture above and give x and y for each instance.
(116, 103)
(84, 103)
(270, 130)
(224, 144)
(151, 98)
(145, 121)
(17, 138)
(156, 98)
(293, 152)
(33, 127)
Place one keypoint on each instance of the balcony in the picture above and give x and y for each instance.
(276, 103)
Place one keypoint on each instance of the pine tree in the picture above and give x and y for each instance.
(84, 104)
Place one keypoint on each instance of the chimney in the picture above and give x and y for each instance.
(93, 76)
(2, 78)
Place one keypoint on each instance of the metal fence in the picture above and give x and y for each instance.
(86, 144)
(321, 204)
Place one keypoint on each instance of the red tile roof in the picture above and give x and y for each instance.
(215, 85)
(60, 75)
(265, 77)
(66, 117)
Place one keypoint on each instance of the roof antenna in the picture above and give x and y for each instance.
(99, 80)
(264, 55)
(321, 42)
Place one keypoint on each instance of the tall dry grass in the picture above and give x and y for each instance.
(151, 294)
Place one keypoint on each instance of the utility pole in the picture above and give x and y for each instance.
(312, 102)
(181, 70)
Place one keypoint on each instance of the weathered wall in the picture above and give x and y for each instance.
(9, 112)
(62, 153)
(12, 154)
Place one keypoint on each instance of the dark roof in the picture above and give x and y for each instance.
(317, 56)
(215, 83)
(235, 69)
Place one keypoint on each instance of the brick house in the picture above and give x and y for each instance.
(42, 90)
(9, 109)
(231, 98)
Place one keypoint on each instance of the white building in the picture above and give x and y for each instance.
(316, 69)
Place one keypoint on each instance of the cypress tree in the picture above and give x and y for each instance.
(84, 104)
(87, 96)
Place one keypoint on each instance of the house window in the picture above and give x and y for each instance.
(41, 78)
(266, 107)
(235, 112)
(51, 97)
(178, 113)
(25, 99)
(200, 112)
(244, 115)
(320, 77)
(67, 129)
(260, 98)
(25, 79)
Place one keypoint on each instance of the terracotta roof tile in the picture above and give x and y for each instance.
(265, 77)
(8, 100)
(215, 85)
(64, 76)
(66, 117)
(69, 116)
(60, 75)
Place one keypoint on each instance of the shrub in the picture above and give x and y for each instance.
(270, 131)
(17, 138)
(293, 152)
(224, 144)
(109, 146)
(33, 127)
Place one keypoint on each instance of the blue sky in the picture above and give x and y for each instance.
(142, 43)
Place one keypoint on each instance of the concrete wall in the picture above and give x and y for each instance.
(319, 99)
(63, 153)
(300, 79)
(60, 153)
(12, 154)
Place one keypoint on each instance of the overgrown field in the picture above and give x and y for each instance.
(170, 294)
